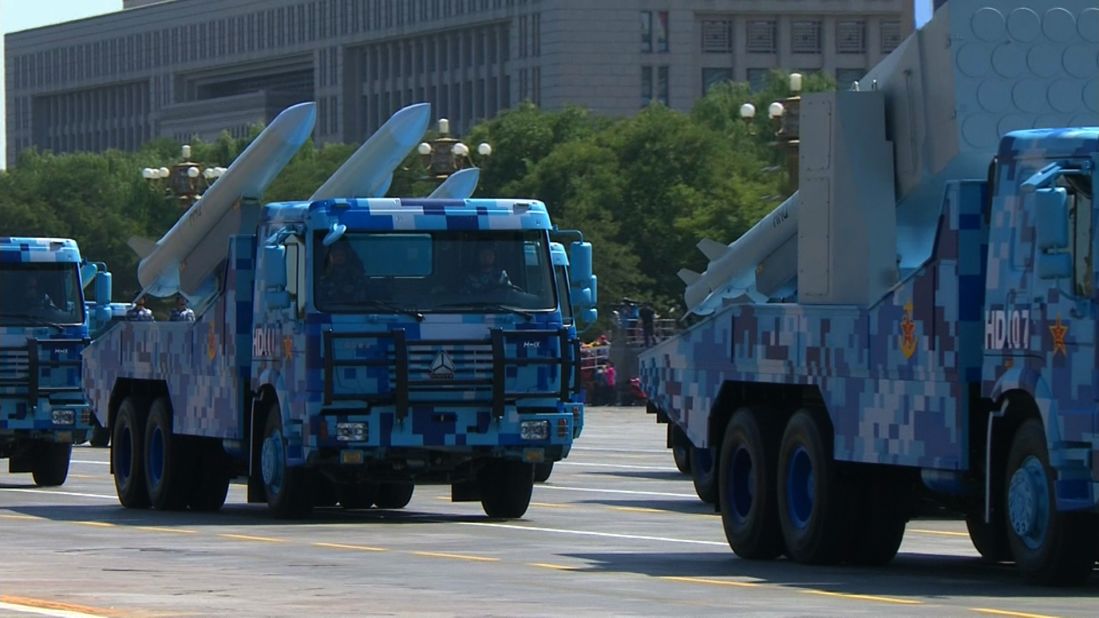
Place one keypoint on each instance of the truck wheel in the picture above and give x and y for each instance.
(288, 495)
(990, 539)
(748, 473)
(211, 484)
(357, 495)
(542, 471)
(394, 495)
(704, 473)
(127, 456)
(681, 448)
(101, 436)
(879, 513)
(810, 504)
(1050, 547)
(166, 467)
(51, 463)
(506, 487)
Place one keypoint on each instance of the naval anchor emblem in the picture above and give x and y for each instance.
(442, 368)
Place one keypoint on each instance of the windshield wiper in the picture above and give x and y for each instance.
(486, 305)
(33, 319)
(387, 306)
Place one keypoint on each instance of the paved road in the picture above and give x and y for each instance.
(616, 530)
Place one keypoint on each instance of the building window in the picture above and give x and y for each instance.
(844, 77)
(851, 37)
(757, 79)
(646, 86)
(805, 37)
(890, 36)
(662, 32)
(712, 76)
(662, 84)
(761, 36)
(646, 32)
(717, 36)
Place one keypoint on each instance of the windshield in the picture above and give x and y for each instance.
(442, 271)
(40, 292)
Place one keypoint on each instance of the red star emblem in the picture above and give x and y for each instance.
(908, 333)
(1059, 330)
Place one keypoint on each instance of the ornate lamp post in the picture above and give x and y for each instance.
(445, 155)
(185, 181)
(784, 116)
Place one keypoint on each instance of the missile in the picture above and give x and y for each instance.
(185, 256)
(368, 172)
(458, 186)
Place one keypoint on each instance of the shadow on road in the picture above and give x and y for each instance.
(684, 505)
(659, 475)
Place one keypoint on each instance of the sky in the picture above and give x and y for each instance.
(18, 15)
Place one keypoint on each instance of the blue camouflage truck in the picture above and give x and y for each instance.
(44, 326)
(345, 349)
(918, 323)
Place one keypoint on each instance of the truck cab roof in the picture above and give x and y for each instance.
(1049, 143)
(413, 214)
(20, 249)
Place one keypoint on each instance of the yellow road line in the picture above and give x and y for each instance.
(1001, 612)
(246, 537)
(556, 567)
(939, 532)
(164, 529)
(636, 509)
(344, 546)
(22, 517)
(100, 524)
(551, 505)
(712, 582)
(435, 554)
(55, 608)
(863, 597)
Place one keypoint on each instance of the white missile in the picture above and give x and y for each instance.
(368, 172)
(732, 271)
(458, 186)
(185, 256)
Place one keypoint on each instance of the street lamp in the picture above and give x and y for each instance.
(445, 155)
(186, 180)
(784, 116)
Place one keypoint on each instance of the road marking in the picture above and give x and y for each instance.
(628, 492)
(610, 465)
(609, 535)
(619, 450)
(552, 505)
(165, 529)
(1001, 612)
(436, 554)
(713, 582)
(88, 461)
(6, 516)
(863, 597)
(247, 537)
(50, 608)
(344, 546)
(939, 532)
(637, 509)
(97, 524)
(555, 567)
(59, 493)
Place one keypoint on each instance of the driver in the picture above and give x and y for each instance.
(343, 275)
(487, 275)
(36, 300)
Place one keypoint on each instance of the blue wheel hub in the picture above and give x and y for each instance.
(156, 456)
(741, 484)
(273, 461)
(799, 488)
(1028, 503)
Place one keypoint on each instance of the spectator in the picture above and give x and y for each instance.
(139, 311)
(181, 312)
(647, 314)
(610, 379)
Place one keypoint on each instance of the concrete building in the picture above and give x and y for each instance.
(179, 68)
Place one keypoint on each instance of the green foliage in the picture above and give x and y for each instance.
(643, 189)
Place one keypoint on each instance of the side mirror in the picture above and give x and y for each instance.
(274, 277)
(1050, 210)
(103, 289)
(580, 262)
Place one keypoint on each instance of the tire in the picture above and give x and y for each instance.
(748, 484)
(357, 495)
(681, 448)
(51, 463)
(166, 465)
(704, 473)
(288, 495)
(211, 484)
(100, 436)
(989, 539)
(506, 487)
(1050, 547)
(394, 495)
(879, 513)
(810, 497)
(542, 471)
(127, 454)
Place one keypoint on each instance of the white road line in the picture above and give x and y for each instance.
(45, 611)
(619, 491)
(58, 493)
(88, 461)
(618, 450)
(667, 468)
(612, 535)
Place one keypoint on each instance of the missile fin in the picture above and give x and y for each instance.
(688, 276)
(459, 186)
(141, 246)
(712, 249)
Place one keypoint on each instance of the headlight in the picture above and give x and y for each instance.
(534, 430)
(351, 432)
(63, 417)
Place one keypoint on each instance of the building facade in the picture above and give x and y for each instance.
(180, 68)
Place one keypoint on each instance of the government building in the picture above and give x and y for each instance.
(181, 68)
